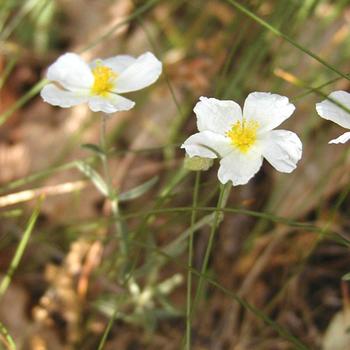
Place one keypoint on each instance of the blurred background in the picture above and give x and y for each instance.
(283, 243)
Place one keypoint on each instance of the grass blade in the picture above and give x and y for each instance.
(19, 251)
(259, 20)
(107, 330)
(10, 342)
(138, 191)
(7, 71)
(21, 101)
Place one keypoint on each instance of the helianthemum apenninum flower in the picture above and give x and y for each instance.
(331, 111)
(99, 84)
(243, 140)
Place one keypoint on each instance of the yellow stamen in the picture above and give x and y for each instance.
(104, 78)
(243, 134)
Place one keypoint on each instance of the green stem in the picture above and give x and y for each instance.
(103, 145)
(283, 332)
(190, 258)
(107, 330)
(223, 197)
(117, 218)
(112, 194)
(19, 251)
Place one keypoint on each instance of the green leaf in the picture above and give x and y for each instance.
(96, 149)
(93, 176)
(138, 191)
(346, 277)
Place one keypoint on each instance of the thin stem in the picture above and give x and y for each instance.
(107, 330)
(283, 332)
(117, 218)
(190, 258)
(19, 251)
(103, 145)
(223, 196)
(112, 194)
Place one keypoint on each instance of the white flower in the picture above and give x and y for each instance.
(243, 140)
(330, 111)
(99, 84)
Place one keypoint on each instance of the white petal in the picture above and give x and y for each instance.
(341, 139)
(269, 110)
(118, 63)
(282, 149)
(216, 115)
(143, 72)
(59, 97)
(196, 145)
(110, 104)
(71, 72)
(239, 167)
(330, 111)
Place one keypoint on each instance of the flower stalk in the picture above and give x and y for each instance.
(190, 258)
(223, 197)
(112, 193)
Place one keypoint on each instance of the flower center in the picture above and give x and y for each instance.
(103, 83)
(243, 134)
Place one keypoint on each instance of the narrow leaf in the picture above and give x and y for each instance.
(139, 190)
(94, 149)
(93, 176)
